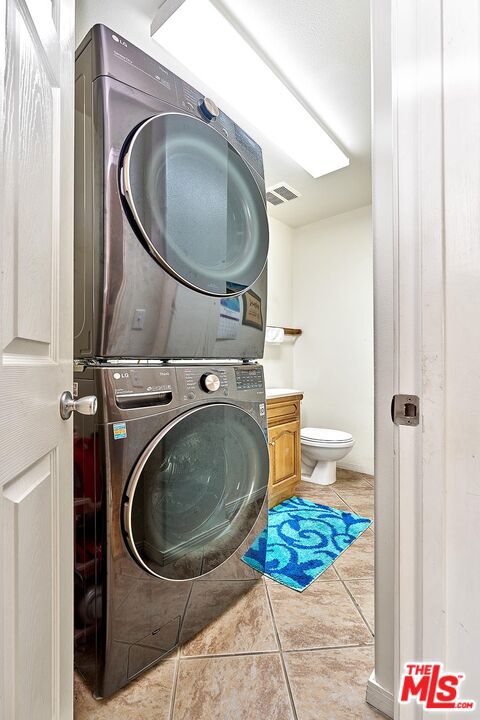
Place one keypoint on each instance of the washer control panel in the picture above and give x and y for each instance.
(194, 382)
(210, 382)
(249, 378)
(137, 387)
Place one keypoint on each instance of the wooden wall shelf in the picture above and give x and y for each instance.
(288, 330)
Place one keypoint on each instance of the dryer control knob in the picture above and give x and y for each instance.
(209, 109)
(210, 382)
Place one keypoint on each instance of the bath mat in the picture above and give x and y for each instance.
(303, 538)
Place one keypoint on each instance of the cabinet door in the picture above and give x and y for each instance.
(284, 411)
(285, 453)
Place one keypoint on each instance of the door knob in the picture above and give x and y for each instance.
(86, 405)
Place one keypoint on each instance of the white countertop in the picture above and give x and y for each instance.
(281, 392)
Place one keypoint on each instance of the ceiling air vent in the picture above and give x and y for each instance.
(274, 199)
(281, 193)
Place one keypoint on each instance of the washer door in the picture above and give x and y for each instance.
(196, 204)
(196, 492)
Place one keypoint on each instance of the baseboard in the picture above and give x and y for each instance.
(354, 468)
(379, 698)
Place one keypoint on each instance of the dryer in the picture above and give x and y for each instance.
(171, 231)
(170, 490)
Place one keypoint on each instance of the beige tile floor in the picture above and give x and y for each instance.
(276, 654)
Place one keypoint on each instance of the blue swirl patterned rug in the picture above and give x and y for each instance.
(302, 540)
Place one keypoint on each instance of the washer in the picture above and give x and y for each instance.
(171, 231)
(170, 490)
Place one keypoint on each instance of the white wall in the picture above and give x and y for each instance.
(131, 19)
(119, 15)
(333, 305)
(278, 359)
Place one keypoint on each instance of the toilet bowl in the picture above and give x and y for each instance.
(321, 448)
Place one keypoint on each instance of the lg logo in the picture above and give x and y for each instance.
(117, 39)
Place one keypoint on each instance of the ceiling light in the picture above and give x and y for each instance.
(203, 40)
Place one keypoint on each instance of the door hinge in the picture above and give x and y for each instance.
(406, 410)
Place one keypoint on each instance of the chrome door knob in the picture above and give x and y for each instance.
(210, 382)
(86, 405)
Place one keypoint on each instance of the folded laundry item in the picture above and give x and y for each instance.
(274, 335)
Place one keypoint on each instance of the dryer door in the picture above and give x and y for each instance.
(196, 492)
(196, 204)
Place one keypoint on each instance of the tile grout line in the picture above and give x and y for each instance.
(173, 694)
(346, 503)
(280, 650)
(357, 607)
(229, 655)
(352, 579)
(329, 647)
(270, 652)
(350, 506)
(349, 579)
(342, 500)
(336, 571)
(177, 661)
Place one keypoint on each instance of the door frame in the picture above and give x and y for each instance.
(426, 184)
(407, 163)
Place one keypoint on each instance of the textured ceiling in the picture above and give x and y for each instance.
(321, 48)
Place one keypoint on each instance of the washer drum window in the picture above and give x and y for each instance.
(196, 492)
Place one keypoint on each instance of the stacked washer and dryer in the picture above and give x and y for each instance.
(171, 472)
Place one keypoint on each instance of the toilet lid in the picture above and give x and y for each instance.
(325, 435)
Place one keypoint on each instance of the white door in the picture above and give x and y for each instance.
(426, 167)
(36, 242)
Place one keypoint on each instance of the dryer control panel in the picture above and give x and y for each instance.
(117, 57)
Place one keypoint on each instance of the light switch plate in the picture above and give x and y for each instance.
(138, 319)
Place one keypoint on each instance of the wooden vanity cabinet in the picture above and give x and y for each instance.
(283, 415)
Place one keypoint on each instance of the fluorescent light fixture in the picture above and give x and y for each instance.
(203, 40)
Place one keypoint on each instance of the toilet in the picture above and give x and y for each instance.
(321, 448)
